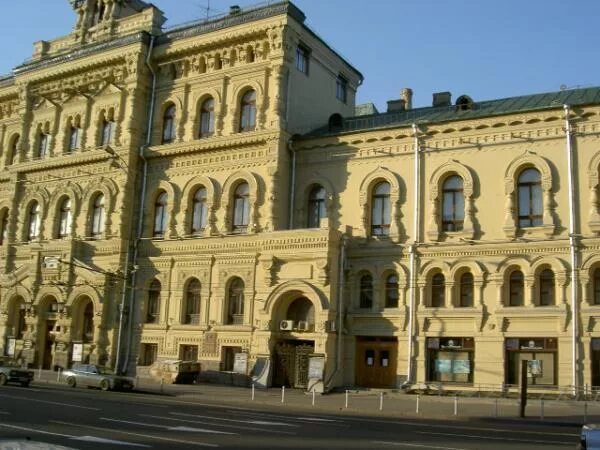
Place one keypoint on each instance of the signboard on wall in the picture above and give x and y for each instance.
(240, 363)
(316, 365)
(77, 352)
(10, 346)
(534, 368)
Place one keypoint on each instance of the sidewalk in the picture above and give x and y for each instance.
(370, 403)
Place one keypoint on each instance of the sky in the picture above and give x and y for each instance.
(486, 49)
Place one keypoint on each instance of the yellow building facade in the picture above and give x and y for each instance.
(210, 192)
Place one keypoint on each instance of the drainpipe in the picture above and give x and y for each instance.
(293, 183)
(412, 249)
(142, 200)
(573, 246)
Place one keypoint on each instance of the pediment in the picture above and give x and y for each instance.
(102, 89)
(42, 103)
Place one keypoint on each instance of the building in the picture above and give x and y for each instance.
(210, 192)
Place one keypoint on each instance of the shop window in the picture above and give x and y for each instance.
(391, 291)
(381, 214)
(98, 216)
(160, 215)
(596, 287)
(199, 211)
(148, 354)
(207, 118)
(188, 352)
(466, 290)
(547, 288)
(453, 204)
(192, 303)
(530, 201)
(316, 206)
(516, 289)
(34, 221)
(438, 291)
(241, 208)
(235, 302)
(65, 219)
(153, 307)
(168, 134)
(541, 356)
(366, 292)
(450, 360)
(248, 111)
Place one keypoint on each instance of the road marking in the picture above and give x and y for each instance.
(406, 444)
(106, 441)
(491, 438)
(49, 402)
(145, 436)
(316, 419)
(5, 413)
(237, 427)
(253, 422)
(34, 430)
(166, 427)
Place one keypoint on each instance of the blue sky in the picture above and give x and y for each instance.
(484, 48)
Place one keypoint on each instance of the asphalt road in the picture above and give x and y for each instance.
(92, 419)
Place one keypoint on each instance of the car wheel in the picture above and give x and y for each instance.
(3, 379)
(25, 383)
(71, 382)
(104, 385)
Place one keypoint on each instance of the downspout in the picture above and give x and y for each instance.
(293, 184)
(573, 247)
(142, 199)
(340, 311)
(412, 250)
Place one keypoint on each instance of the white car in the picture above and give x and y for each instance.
(590, 437)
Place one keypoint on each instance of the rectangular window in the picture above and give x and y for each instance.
(302, 54)
(541, 356)
(341, 88)
(188, 352)
(148, 354)
(450, 360)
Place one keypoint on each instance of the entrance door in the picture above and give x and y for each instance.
(48, 345)
(376, 362)
(291, 363)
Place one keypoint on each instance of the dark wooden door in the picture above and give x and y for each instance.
(291, 363)
(376, 363)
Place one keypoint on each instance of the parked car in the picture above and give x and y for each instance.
(173, 371)
(12, 372)
(590, 437)
(91, 375)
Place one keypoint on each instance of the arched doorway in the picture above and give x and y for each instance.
(82, 329)
(47, 330)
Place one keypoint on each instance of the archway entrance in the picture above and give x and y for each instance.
(290, 366)
(47, 330)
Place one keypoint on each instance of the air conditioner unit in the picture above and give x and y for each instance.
(50, 262)
(286, 325)
(330, 326)
(303, 325)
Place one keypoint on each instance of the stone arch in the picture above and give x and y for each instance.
(197, 102)
(594, 188)
(13, 144)
(48, 292)
(85, 291)
(261, 103)
(227, 196)
(560, 272)
(586, 276)
(172, 200)
(282, 296)
(449, 168)
(303, 193)
(478, 270)
(366, 188)
(71, 191)
(41, 196)
(424, 281)
(212, 203)
(18, 290)
(109, 189)
(520, 163)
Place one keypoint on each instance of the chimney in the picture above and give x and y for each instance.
(442, 99)
(234, 9)
(396, 105)
(406, 94)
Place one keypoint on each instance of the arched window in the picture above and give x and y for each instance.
(438, 291)
(199, 211)
(19, 319)
(366, 292)
(516, 289)
(4, 227)
(74, 137)
(530, 198)
(466, 290)
(160, 215)
(596, 287)
(108, 131)
(87, 329)
(98, 215)
(381, 213)
(316, 207)
(207, 118)
(248, 111)
(192, 303)
(168, 134)
(546, 288)
(241, 208)
(34, 221)
(235, 302)
(42, 149)
(98, 12)
(391, 291)
(453, 204)
(65, 218)
(13, 157)
(153, 308)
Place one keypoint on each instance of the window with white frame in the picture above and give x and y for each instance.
(65, 218)
(160, 215)
(199, 211)
(98, 215)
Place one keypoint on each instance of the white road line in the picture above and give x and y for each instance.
(106, 441)
(316, 419)
(5, 413)
(313, 420)
(237, 427)
(406, 444)
(145, 436)
(49, 402)
(491, 438)
(34, 430)
(253, 422)
(166, 427)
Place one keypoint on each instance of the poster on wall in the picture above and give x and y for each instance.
(240, 363)
(316, 366)
(461, 366)
(534, 368)
(77, 352)
(443, 366)
(10, 346)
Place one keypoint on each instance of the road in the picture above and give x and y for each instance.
(92, 419)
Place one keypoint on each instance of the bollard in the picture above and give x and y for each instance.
(381, 401)
(346, 399)
(585, 412)
(162, 382)
(58, 376)
(313, 397)
(542, 409)
(456, 405)
(417, 408)
(252, 391)
(40, 374)
(496, 408)
(282, 394)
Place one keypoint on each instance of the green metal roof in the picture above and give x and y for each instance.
(550, 100)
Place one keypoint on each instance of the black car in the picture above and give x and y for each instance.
(11, 372)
